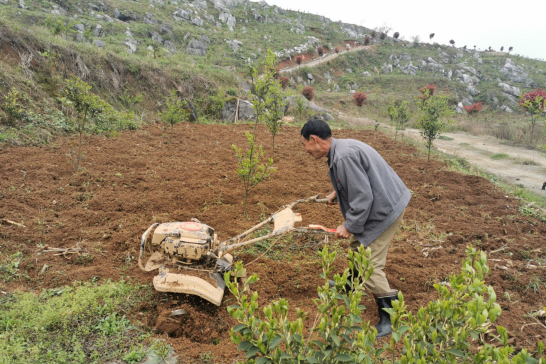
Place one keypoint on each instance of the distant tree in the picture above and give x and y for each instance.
(510, 49)
(452, 42)
(396, 35)
(502, 48)
(320, 51)
(489, 48)
(383, 36)
(175, 110)
(431, 35)
(373, 34)
(284, 82)
(308, 92)
(299, 59)
(367, 40)
(534, 103)
(359, 98)
(336, 50)
(464, 48)
(474, 47)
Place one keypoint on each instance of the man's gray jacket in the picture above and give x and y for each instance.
(370, 194)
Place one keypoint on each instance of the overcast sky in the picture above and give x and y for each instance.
(483, 23)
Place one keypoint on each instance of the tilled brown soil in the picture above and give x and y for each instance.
(152, 175)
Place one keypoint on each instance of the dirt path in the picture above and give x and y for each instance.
(316, 62)
(478, 151)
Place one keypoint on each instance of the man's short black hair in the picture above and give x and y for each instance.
(316, 127)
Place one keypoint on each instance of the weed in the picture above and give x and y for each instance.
(535, 283)
(135, 355)
(444, 137)
(112, 324)
(72, 324)
(10, 267)
(162, 348)
(206, 357)
(499, 156)
(85, 259)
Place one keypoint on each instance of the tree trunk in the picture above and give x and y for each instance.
(428, 161)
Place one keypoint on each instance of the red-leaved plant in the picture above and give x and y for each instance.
(474, 109)
(299, 59)
(359, 98)
(534, 103)
(427, 91)
(367, 40)
(396, 35)
(336, 50)
(284, 82)
(308, 92)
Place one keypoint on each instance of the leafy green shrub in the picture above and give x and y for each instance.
(12, 108)
(465, 310)
(175, 110)
(433, 110)
(400, 113)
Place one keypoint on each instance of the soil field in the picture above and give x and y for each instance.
(151, 175)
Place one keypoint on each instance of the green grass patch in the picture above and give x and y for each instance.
(464, 144)
(444, 137)
(499, 156)
(84, 323)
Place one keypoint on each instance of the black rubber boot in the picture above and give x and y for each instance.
(544, 186)
(384, 327)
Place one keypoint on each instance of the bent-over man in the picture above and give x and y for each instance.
(372, 199)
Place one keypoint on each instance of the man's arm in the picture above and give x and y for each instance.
(355, 181)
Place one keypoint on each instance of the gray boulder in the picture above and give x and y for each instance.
(234, 44)
(196, 48)
(124, 17)
(5, 2)
(387, 68)
(94, 7)
(459, 108)
(170, 46)
(197, 21)
(506, 109)
(511, 90)
(182, 14)
(409, 69)
(57, 10)
(324, 117)
(201, 4)
(310, 77)
(336, 87)
(78, 37)
(108, 19)
(149, 19)
(99, 43)
(205, 38)
(246, 111)
(79, 27)
(155, 36)
(165, 28)
(366, 74)
(131, 48)
(472, 90)
(97, 31)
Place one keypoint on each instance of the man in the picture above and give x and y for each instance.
(372, 199)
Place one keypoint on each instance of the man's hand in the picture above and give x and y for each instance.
(331, 197)
(342, 233)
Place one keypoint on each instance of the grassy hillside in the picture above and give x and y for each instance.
(135, 53)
